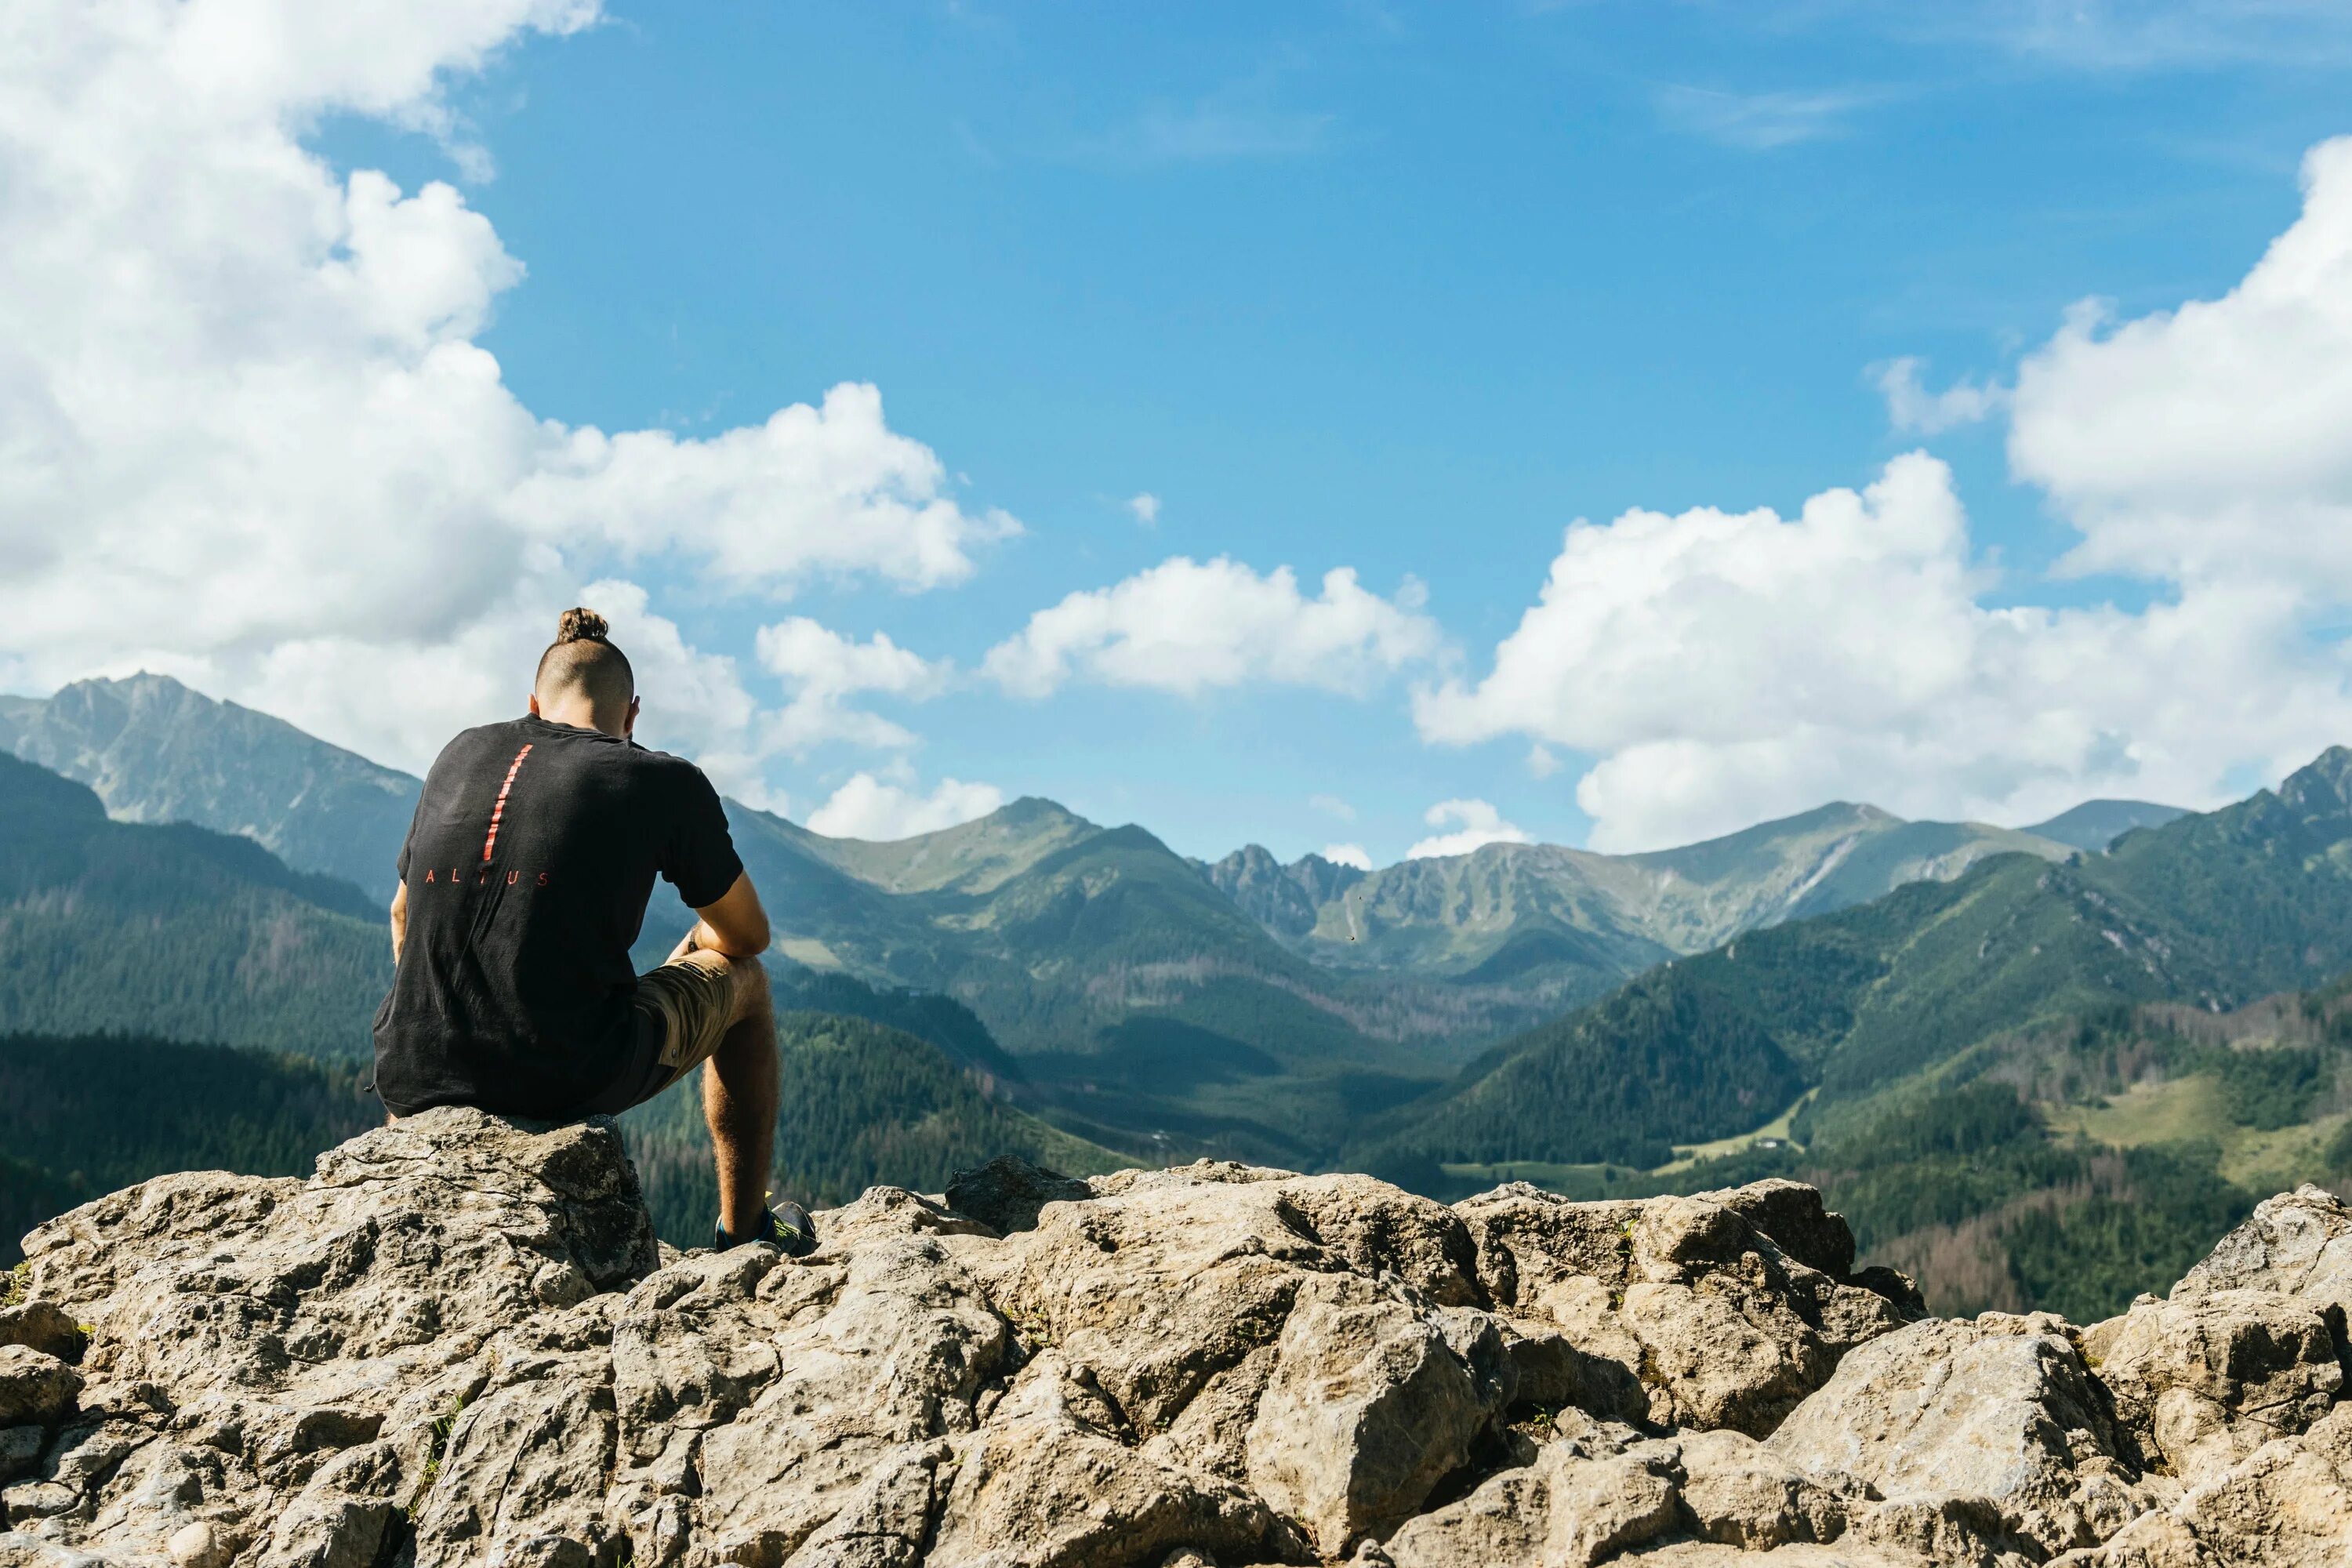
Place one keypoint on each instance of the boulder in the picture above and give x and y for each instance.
(2297, 1243)
(1367, 1408)
(2286, 1505)
(1586, 1497)
(42, 1326)
(1689, 1300)
(2002, 1408)
(1006, 1193)
(36, 1389)
(1794, 1217)
(2203, 1380)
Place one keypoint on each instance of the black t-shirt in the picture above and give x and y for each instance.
(529, 866)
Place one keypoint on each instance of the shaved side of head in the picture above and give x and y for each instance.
(582, 660)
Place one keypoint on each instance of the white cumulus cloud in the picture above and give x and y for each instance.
(1187, 627)
(2211, 443)
(1716, 668)
(1725, 667)
(1354, 855)
(247, 437)
(875, 808)
(825, 668)
(1479, 824)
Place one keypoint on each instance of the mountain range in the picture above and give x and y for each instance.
(2032, 1062)
(1242, 1008)
(155, 751)
(1506, 910)
(2213, 910)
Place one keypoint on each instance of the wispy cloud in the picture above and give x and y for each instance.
(2142, 34)
(1234, 124)
(1913, 409)
(1760, 122)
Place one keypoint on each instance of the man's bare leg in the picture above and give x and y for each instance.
(739, 1095)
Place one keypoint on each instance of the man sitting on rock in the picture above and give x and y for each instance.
(524, 882)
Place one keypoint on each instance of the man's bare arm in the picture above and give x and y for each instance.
(736, 925)
(399, 919)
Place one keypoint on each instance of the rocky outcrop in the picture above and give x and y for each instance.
(459, 1343)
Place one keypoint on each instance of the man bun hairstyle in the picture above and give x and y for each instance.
(582, 659)
(581, 625)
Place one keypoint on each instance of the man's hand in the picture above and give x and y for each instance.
(736, 925)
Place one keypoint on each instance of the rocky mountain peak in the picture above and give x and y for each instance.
(458, 1343)
(156, 750)
(2322, 787)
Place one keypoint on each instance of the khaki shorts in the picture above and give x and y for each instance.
(683, 1009)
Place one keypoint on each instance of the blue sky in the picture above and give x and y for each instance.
(1405, 289)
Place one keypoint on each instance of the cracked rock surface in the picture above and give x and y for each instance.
(458, 1343)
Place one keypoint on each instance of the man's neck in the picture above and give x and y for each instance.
(578, 716)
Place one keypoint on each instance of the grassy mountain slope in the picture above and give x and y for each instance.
(2095, 825)
(975, 857)
(157, 752)
(2210, 910)
(173, 931)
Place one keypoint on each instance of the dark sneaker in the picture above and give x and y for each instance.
(784, 1227)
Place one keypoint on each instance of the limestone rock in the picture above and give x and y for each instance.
(459, 1343)
(197, 1545)
(1793, 1216)
(2286, 1505)
(42, 1326)
(1738, 1492)
(2297, 1243)
(1006, 1193)
(2002, 1408)
(1584, 1500)
(36, 1388)
(1367, 1408)
(2204, 1380)
(1690, 1299)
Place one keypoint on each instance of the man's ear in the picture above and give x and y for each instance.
(629, 724)
(534, 704)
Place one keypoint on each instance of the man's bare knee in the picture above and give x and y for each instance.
(754, 997)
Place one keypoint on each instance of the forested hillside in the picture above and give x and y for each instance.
(2211, 910)
(173, 931)
(862, 1103)
(83, 1115)
(1145, 1010)
(1136, 1003)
